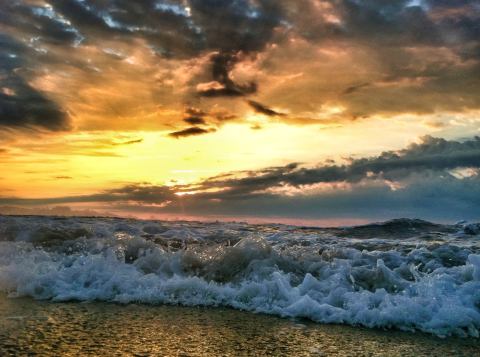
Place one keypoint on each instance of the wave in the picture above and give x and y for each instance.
(428, 282)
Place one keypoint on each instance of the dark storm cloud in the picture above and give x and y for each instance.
(38, 21)
(459, 22)
(238, 25)
(427, 52)
(263, 109)
(164, 25)
(229, 27)
(178, 26)
(172, 29)
(222, 65)
(84, 15)
(192, 131)
(392, 32)
(20, 104)
(234, 28)
(26, 107)
(391, 22)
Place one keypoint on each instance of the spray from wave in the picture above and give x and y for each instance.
(404, 274)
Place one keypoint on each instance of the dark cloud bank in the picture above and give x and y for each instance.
(34, 31)
(435, 179)
(20, 104)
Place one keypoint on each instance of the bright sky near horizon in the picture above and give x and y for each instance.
(295, 109)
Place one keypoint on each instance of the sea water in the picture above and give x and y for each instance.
(402, 274)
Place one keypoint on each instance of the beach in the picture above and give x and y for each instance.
(116, 287)
(41, 328)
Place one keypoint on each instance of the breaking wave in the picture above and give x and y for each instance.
(404, 274)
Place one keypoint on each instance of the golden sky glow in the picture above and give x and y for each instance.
(85, 162)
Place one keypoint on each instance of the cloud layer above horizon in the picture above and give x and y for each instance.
(435, 179)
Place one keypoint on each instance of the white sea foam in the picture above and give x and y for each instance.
(428, 282)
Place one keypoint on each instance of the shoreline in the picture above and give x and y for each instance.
(101, 328)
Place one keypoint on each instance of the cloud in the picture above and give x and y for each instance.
(196, 117)
(434, 198)
(417, 181)
(193, 120)
(432, 154)
(192, 131)
(40, 20)
(21, 105)
(65, 35)
(421, 57)
(408, 58)
(262, 109)
(355, 88)
(223, 85)
(178, 29)
(128, 142)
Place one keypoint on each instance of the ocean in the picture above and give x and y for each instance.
(121, 281)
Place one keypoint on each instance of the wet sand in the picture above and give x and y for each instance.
(40, 328)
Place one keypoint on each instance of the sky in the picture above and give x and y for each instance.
(330, 111)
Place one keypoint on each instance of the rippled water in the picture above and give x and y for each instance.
(402, 274)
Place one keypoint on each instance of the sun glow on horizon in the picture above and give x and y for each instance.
(86, 162)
